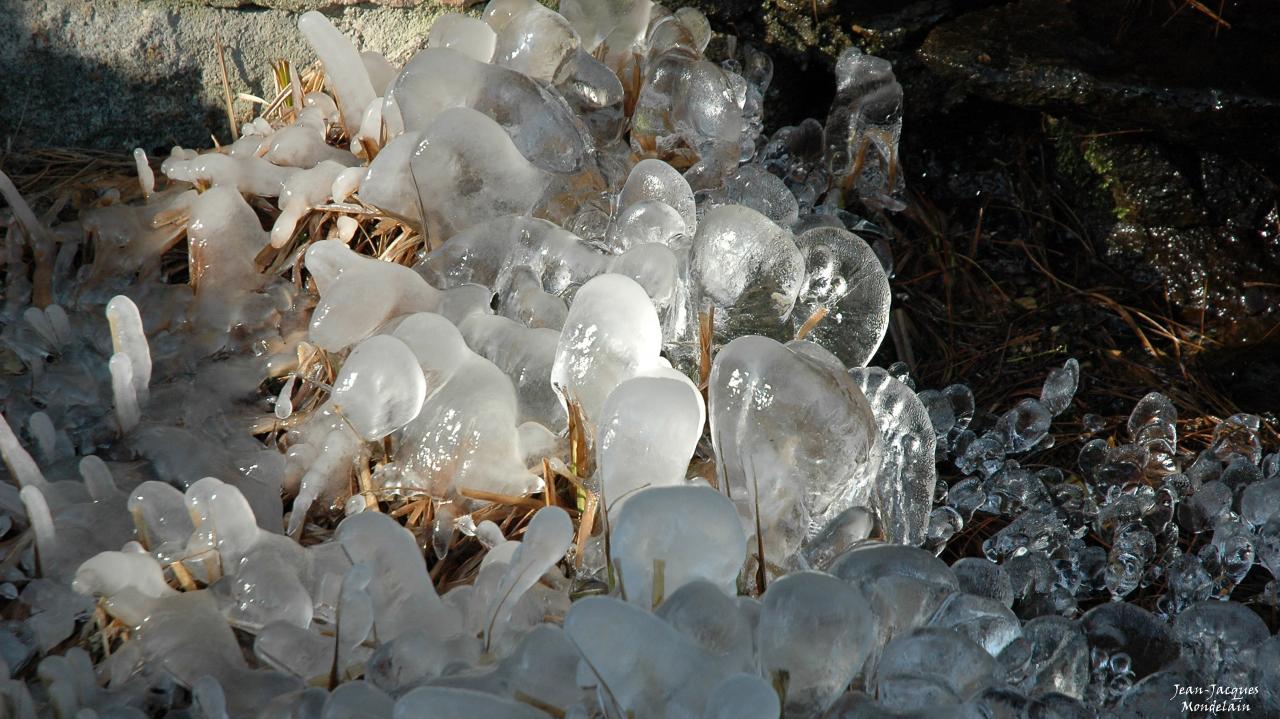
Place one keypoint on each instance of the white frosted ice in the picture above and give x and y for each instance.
(797, 433)
(467, 170)
(648, 429)
(683, 533)
(344, 69)
(610, 335)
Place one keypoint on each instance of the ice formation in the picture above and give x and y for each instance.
(542, 390)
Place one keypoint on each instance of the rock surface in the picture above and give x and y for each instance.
(117, 74)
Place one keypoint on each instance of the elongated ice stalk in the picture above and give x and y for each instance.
(40, 323)
(41, 521)
(17, 460)
(343, 68)
(46, 437)
(146, 177)
(122, 390)
(60, 323)
(97, 478)
(128, 338)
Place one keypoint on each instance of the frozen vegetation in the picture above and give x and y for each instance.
(237, 494)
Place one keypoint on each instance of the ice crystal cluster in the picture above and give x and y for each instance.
(225, 492)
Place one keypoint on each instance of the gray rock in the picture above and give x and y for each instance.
(118, 74)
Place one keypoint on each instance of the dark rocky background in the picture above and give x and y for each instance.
(1095, 178)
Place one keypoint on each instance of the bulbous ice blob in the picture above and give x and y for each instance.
(303, 145)
(690, 109)
(904, 585)
(525, 355)
(649, 427)
(221, 514)
(918, 669)
(863, 128)
(818, 630)
(467, 171)
(303, 191)
(497, 13)
(655, 180)
(743, 696)
(468, 35)
(694, 531)
(592, 20)
(128, 337)
(1216, 635)
(611, 334)
(403, 597)
(543, 128)
(524, 301)
(545, 541)
(644, 222)
(535, 42)
(388, 182)
(990, 624)
(344, 70)
(359, 293)
(380, 387)
(129, 582)
(779, 418)
(661, 674)
(595, 94)
(704, 613)
(905, 483)
(839, 535)
(465, 437)
(449, 703)
(160, 515)
(224, 238)
(755, 187)
(504, 253)
(844, 277)
(748, 269)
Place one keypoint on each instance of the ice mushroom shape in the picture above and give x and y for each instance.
(543, 128)
(344, 69)
(525, 354)
(661, 673)
(359, 293)
(819, 632)
(652, 180)
(844, 278)
(380, 387)
(468, 35)
(790, 430)
(610, 335)
(467, 170)
(465, 436)
(904, 485)
(536, 42)
(649, 428)
(676, 535)
(747, 269)
(545, 541)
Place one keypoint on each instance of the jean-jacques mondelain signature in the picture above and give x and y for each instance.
(1213, 697)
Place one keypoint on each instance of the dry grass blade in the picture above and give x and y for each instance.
(226, 90)
(817, 316)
